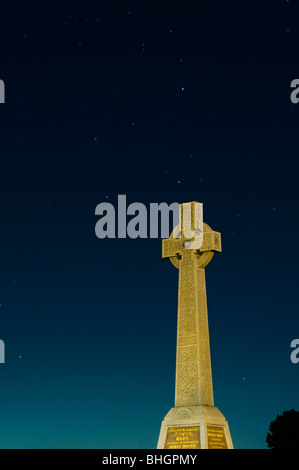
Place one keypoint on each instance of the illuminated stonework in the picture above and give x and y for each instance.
(194, 401)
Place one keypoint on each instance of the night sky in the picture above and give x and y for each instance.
(189, 102)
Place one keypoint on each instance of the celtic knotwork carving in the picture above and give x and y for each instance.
(184, 414)
(187, 386)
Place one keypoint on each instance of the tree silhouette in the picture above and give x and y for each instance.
(284, 431)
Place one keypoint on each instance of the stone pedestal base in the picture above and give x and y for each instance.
(194, 427)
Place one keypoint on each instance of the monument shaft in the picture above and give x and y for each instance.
(193, 362)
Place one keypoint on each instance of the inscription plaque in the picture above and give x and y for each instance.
(216, 438)
(182, 437)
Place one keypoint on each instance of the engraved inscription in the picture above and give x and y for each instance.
(216, 437)
(182, 437)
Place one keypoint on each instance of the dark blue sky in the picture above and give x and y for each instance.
(161, 104)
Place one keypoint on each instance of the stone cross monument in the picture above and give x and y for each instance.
(194, 422)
